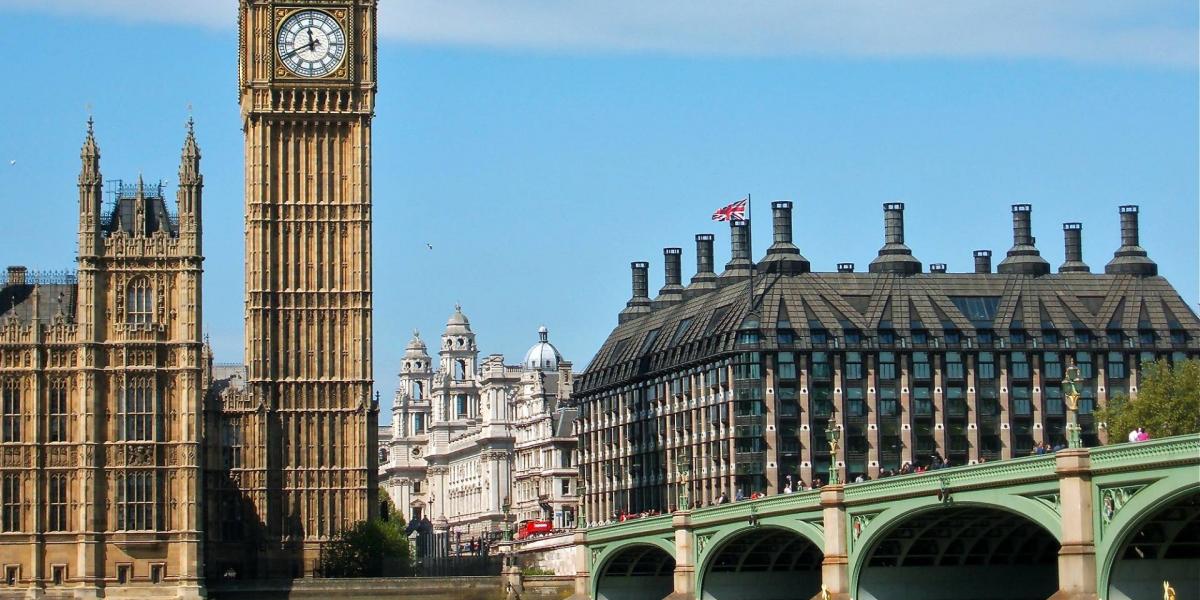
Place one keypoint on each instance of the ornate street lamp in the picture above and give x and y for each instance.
(683, 467)
(832, 435)
(505, 508)
(1070, 390)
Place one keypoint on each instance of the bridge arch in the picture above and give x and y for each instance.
(977, 545)
(768, 561)
(1151, 538)
(643, 570)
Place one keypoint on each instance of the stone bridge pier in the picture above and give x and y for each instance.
(1108, 523)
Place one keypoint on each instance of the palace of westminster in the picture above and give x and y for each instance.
(134, 466)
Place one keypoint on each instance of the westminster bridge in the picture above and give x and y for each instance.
(1109, 523)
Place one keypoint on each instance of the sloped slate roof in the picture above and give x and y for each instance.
(704, 326)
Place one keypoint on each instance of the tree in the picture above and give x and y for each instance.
(368, 549)
(1167, 403)
(387, 508)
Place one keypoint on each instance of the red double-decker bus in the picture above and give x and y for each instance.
(533, 527)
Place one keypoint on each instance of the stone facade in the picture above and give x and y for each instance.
(101, 379)
(306, 419)
(730, 384)
(470, 439)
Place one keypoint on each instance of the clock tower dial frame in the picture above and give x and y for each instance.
(311, 439)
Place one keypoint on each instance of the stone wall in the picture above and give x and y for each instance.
(554, 554)
(408, 588)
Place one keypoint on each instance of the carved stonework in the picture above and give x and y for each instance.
(859, 523)
(139, 455)
(702, 541)
(596, 554)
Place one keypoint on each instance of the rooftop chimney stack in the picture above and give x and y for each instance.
(1130, 258)
(704, 279)
(845, 267)
(739, 266)
(639, 304)
(16, 275)
(1023, 258)
(894, 256)
(783, 256)
(672, 291)
(1073, 247)
(983, 261)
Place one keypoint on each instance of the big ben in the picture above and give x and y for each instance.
(307, 83)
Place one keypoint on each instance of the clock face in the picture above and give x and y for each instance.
(311, 43)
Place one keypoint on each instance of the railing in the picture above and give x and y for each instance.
(63, 277)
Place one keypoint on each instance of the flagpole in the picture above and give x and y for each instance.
(750, 251)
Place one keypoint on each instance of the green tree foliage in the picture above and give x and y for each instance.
(368, 549)
(387, 508)
(1167, 403)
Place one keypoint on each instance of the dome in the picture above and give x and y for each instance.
(458, 322)
(543, 355)
(416, 348)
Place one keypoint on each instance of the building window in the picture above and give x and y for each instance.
(1051, 367)
(887, 401)
(1116, 365)
(565, 486)
(1053, 398)
(136, 411)
(854, 368)
(956, 403)
(820, 365)
(986, 369)
(59, 574)
(921, 369)
(460, 406)
(157, 572)
(231, 443)
(922, 403)
(1022, 407)
(1083, 360)
(1050, 337)
(887, 366)
(10, 498)
(1019, 369)
(787, 365)
(954, 365)
(417, 391)
(854, 402)
(139, 308)
(57, 411)
(460, 370)
(12, 410)
(135, 501)
(56, 518)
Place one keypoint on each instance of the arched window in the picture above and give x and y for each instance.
(383, 455)
(139, 302)
(135, 412)
(10, 389)
(10, 498)
(417, 390)
(56, 518)
(460, 370)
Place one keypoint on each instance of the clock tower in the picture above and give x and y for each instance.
(307, 77)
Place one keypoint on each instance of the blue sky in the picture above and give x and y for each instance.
(540, 149)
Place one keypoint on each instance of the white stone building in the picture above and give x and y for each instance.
(470, 439)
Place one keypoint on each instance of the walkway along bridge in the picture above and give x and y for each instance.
(1109, 523)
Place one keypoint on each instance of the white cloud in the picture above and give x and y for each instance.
(1156, 32)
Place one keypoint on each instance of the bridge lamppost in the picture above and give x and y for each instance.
(832, 435)
(1070, 389)
(505, 508)
(683, 468)
(581, 508)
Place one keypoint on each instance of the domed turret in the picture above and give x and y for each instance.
(416, 355)
(543, 356)
(458, 322)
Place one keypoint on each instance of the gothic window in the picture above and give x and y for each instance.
(135, 501)
(139, 306)
(56, 517)
(11, 407)
(135, 412)
(231, 444)
(10, 497)
(57, 410)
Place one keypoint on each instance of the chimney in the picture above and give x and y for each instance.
(1130, 258)
(639, 304)
(704, 279)
(672, 291)
(16, 275)
(1073, 242)
(845, 267)
(937, 267)
(1023, 258)
(783, 256)
(739, 266)
(983, 261)
(894, 256)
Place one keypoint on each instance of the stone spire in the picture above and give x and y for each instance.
(90, 197)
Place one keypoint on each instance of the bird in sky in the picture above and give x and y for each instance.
(428, 245)
(12, 162)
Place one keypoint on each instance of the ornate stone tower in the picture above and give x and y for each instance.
(307, 77)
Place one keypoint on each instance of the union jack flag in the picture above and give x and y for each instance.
(735, 211)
